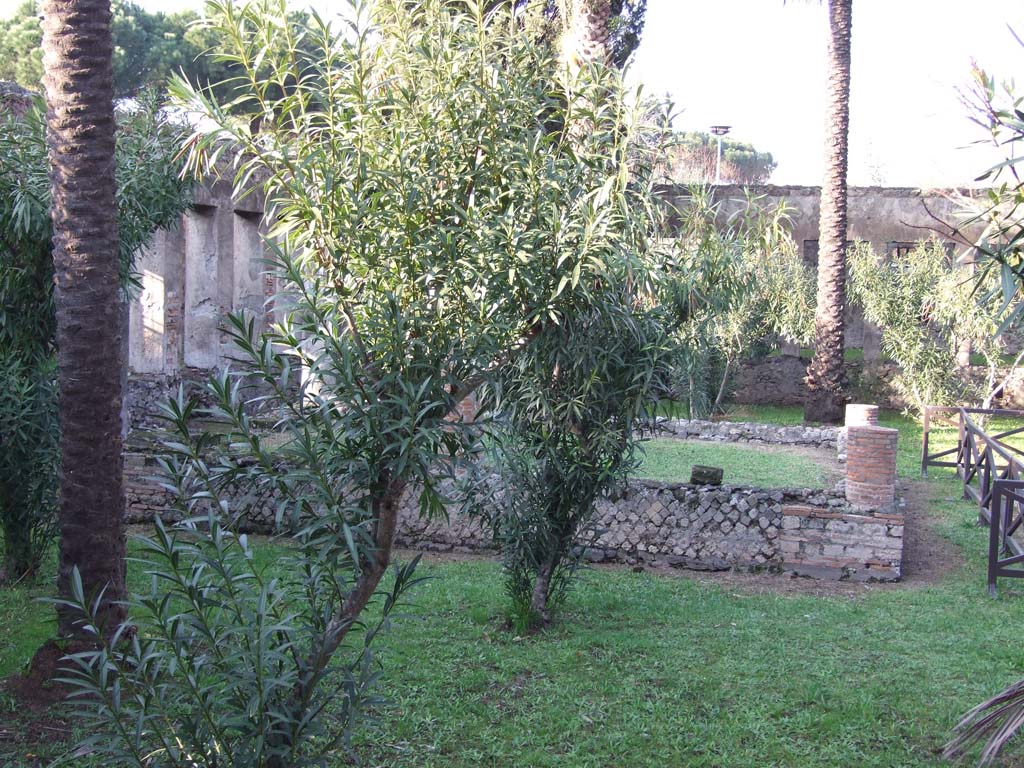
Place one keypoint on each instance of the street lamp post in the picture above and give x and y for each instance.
(719, 131)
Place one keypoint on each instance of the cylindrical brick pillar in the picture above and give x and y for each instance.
(857, 415)
(871, 466)
(860, 415)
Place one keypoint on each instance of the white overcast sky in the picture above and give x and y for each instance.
(759, 66)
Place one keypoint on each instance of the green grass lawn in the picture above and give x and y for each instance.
(25, 624)
(670, 460)
(768, 414)
(644, 669)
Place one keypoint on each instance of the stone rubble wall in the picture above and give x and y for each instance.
(804, 532)
(145, 499)
(676, 524)
(750, 432)
(809, 532)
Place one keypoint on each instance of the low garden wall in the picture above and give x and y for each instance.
(801, 531)
(812, 532)
(750, 432)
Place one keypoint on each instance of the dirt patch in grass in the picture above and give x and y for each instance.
(34, 726)
(928, 556)
(504, 697)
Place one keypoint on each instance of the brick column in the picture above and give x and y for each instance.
(857, 415)
(871, 466)
(860, 415)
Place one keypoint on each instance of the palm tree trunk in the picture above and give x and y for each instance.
(77, 59)
(826, 376)
(586, 34)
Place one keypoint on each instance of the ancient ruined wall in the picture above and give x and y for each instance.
(810, 532)
(210, 265)
(805, 531)
(886, 217)
(193, 276)
(854, 531)
(750, 432)
(879, 215)
(698, 527)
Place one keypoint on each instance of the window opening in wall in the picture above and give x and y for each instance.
(899, 248)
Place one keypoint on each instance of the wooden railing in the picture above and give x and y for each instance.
(992, 474)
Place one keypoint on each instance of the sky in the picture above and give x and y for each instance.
(760, 67)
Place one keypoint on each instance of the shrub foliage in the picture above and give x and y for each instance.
(430, 221)
(732, 284)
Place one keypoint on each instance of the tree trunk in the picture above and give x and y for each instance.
(541, 591)
(826, 376)
(721, 388)
(386, 510)
(77, 55)
(586, 33)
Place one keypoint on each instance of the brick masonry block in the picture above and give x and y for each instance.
(871, 466)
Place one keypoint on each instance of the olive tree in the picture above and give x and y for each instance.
(732, 282)
(926, 306)
(427, 228)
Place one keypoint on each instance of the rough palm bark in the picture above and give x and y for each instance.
(587, 31)
(77, 56)
(826, 376)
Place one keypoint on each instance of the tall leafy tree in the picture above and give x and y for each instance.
(91, 327)
(569, 404)
(149, 47)
(21, 54)
(28, 419)
(826, 376)
(427, 228)
(692, 158)
(732, 283)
